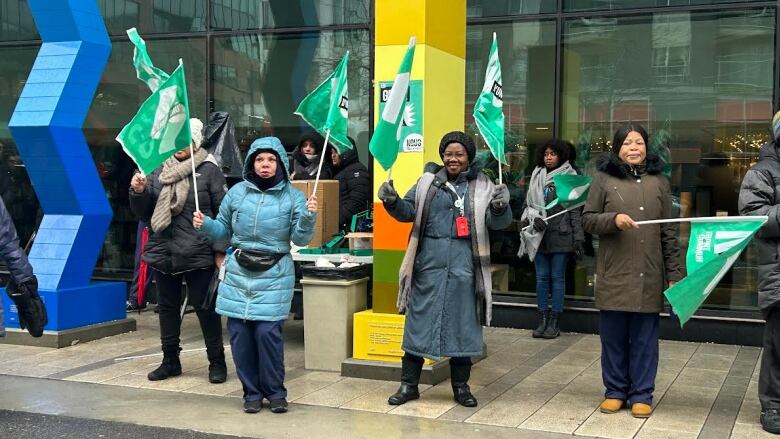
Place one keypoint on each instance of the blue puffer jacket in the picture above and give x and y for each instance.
(260, 220)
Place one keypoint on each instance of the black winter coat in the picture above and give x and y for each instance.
(760, 195)
(180, 248)
(354, 187)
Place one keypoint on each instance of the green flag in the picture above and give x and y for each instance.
(714, 245)
(145, 70)
(387, 134)
(571, 190)
(489, 108)
(326, 108)
(162, 125)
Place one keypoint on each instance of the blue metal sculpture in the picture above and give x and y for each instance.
(46, 126)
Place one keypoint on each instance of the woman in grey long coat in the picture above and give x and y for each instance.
(445, 276)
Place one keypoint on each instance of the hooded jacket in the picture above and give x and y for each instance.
(760, 195)
(305, 169)
(268, 220)
(632, 266)
(354, 186)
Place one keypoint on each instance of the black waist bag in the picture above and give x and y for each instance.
(254, 260)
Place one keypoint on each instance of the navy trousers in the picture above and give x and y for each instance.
(258, 352)
(629, 355)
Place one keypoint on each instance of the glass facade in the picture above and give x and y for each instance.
(253, 73)
(702, 81)
(700, 75)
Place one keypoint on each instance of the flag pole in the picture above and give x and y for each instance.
(703, 218)
(322, 160)
(390, 174)
(194, 180)
(500, 171)
(554, 215)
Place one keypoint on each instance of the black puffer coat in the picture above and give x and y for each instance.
(10, 251)
(354, 187)
(760, 195)
(180, 248)
(305, 169)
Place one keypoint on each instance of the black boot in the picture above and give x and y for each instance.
(552, 330)
(770, 420)
(217, 366)
(170, 366)
(539, 331)
(460, 371)
(411, 368)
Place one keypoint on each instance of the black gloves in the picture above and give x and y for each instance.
(539, 224)
(579, 250)
(32, 311)
(499, 199)
(387, 193)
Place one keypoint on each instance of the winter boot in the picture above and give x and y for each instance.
(460, 371)
(410, 377)
(770, 420)
(170, 366)
(539, 331)
(552, 330)
(217, 366)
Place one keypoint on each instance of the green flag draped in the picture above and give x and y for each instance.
(571, 190)
(162, 125)
(387, 134)
(489, 108)
(715, 243)
(326, 108)
(145, 70)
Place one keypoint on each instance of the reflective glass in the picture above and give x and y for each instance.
(263, 14)
(701, 83)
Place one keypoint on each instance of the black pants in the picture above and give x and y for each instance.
(769, 377)
(629, 354)
(170, 299)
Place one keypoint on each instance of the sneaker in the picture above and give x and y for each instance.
(770, 420)
(279, 406)
(253, 406)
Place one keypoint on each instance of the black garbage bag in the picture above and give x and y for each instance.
(335, 273)
(220, 141)
(31, 309)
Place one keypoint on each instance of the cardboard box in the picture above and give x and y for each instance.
(327, 223)
(360, 240)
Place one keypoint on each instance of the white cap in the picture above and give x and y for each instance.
(196, 129)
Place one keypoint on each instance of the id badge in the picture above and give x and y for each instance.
(462, 227)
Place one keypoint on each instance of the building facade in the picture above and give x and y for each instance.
(700, 75)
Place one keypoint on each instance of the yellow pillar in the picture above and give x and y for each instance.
(439, 62)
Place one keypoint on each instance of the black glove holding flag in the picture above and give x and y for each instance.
(30, 307)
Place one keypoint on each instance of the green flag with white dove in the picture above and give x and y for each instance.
(571, 190)
(326, 108)
(387, 133)
(715, 244)
(145, 70)
(162, 125)
(489, 108)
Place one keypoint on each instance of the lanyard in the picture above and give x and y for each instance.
(459, 198)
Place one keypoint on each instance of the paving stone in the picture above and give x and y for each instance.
(619, 425)
(656, 433)
(516, 405)
(710, 362)
(564, 413)
(688, 418)
(340, 393)
(701, 377)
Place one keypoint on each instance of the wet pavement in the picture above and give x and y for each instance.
(526, 388)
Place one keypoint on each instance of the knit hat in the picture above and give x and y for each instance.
(196, 130)
(458, 137)
(776, 125)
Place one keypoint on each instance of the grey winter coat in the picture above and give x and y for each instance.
(19, 267)
(760, 195)
(445, 298)
(633, 266)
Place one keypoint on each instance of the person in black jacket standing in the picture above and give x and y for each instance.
(354, 183)
(175, 250)
(759, 196)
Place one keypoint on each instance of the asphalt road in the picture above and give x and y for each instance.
(35, 426)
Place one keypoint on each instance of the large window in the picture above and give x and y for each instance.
(263, 14)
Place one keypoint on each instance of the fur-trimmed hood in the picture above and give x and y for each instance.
(611, 164)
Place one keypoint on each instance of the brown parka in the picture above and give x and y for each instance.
(634, 266)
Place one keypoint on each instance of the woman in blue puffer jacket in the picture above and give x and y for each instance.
(260, 216)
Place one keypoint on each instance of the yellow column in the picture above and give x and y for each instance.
(439, 62)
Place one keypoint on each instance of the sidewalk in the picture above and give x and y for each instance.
(526, 388)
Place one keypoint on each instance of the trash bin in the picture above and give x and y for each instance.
(328, 306)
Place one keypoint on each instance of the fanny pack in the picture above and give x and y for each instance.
(255, 260)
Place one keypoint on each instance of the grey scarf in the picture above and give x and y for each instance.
(175, 186)
(530, 239)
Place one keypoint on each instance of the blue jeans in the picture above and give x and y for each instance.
(550, 270)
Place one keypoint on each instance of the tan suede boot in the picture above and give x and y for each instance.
(641, 410)
(611, 405)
